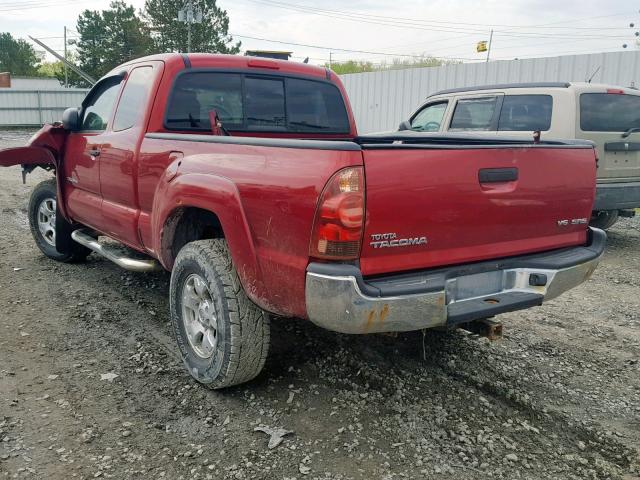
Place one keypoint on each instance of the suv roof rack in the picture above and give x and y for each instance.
(505, 85)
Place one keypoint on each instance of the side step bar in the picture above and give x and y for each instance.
(132, 264)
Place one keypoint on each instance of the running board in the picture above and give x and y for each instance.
(132, 264)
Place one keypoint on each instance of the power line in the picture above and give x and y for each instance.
(399, 22)
(337, 49)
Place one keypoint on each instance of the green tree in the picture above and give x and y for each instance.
(359, 66)
(351, 66)
(51, 69)
(170, 35)
(110, 37)
(17, 56)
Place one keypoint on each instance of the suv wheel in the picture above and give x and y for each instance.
(604, 219)
(45, 224)
(223, 336)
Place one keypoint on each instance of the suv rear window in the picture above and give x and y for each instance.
(525, 113)
(255, 103)
(608, 112)
(474, 113)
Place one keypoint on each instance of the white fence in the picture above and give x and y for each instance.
(36, 107)
(381, 100)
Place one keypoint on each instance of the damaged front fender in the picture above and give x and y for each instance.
(27, 156)
(43, 149)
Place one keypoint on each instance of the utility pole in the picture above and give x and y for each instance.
(66, 72)
(489, 48)
(189, 15)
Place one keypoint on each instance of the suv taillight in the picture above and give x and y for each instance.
(337, 227)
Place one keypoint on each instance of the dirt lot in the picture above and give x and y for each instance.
(557, 398)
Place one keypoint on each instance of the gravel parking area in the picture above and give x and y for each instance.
(91, 385)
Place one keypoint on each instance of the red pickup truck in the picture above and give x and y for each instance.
(246, 179)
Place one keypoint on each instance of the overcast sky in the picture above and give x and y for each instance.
(523, 28)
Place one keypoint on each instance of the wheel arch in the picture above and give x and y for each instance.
(198, 206)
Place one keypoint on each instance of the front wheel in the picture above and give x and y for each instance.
(223, 336)
(45, 224)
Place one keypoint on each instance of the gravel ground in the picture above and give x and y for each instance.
(91, 385)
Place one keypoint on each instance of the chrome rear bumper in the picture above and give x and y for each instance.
(339, 299)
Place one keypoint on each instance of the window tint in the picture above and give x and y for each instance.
(474, 114)
(608, 112)
(264, 104)
(197, 94)
(525, 113)
(315, 107)
(253, 103)
(134, 98)
(98, 110)
(429, 118)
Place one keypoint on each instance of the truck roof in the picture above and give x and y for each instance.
(241, 62)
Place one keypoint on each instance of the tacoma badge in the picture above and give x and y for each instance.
(388, 240)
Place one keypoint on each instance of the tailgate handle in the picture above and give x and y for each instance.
(497, 175)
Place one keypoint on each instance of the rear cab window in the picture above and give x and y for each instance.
(256, 103)
(609, 112)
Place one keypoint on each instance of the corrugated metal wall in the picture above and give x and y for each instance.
(36, 107)
(381, 100)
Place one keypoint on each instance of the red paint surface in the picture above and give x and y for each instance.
(436, 193)
(266, 197)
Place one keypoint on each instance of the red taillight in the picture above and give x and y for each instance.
(615, 91)
(337, 228)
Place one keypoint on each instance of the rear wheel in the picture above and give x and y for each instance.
(604, 219)
(223, 336)
(44, 224)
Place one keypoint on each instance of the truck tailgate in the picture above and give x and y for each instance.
(434, 205)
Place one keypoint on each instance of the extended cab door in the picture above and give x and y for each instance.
(81, 166)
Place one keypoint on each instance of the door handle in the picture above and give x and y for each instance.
(497, 175)
(94, 153)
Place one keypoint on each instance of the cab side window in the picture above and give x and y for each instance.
(474, 114)
(134, 98)
(429, 118)
(97, 111)
(522, 113)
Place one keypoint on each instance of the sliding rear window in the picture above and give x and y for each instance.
(256, 103)
(609, 112)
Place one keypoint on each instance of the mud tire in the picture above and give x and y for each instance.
(242, 328)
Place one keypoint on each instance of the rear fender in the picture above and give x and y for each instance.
(219, 196)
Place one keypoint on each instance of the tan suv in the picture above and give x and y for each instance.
(607, 115)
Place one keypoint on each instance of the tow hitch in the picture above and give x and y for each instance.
(486, 327)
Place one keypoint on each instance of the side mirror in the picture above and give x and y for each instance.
(71, 119)
(405, 125)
